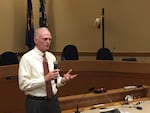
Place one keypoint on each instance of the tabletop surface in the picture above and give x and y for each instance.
(135, 107)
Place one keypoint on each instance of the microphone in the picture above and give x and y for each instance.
(103, 91)
(80, 99)
(77, 109)
(55, 67)
(77, 106)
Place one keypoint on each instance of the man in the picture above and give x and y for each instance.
(33, 80)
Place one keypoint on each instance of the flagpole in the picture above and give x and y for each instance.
(103, 39)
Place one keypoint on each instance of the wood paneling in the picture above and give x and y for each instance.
(11, 98)
(96, 74)
(106, 74)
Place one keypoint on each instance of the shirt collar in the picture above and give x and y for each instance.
(38, 51)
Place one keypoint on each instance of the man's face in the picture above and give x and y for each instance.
(43, 40)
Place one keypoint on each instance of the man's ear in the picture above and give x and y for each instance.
(35, 40)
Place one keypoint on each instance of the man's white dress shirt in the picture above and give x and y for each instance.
(31, 73)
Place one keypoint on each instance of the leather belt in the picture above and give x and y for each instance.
(37, 98)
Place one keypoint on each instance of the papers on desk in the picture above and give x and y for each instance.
(110, 110)
(130, 87)
(130, 108)
(105, 110)
(91, 111)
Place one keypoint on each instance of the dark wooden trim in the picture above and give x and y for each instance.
(130, 54)
(80, 53)
(134, 54)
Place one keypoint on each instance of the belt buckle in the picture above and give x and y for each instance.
(46, 98)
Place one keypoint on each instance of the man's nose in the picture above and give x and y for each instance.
(48, 41)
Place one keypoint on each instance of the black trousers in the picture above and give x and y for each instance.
(42, 105)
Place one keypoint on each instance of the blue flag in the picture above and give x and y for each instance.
(43, 17)
(29, 26)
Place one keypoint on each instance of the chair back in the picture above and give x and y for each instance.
(104, 54)
(70, 52)
(8, 58)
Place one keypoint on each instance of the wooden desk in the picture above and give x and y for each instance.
(118, 105)
(11, 98)
(68, 103)
(9, 71)
(97, 74)
(106, 74)
(130, 108)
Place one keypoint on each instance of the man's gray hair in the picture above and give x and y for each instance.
(38, 30)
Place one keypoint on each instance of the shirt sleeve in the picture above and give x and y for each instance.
(59, 81)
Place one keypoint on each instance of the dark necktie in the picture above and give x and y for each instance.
(46, 71)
